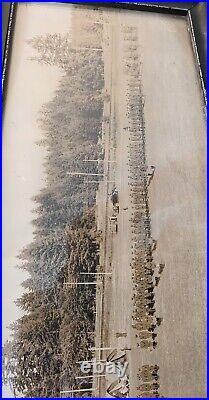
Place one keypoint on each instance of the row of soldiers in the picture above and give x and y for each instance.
(148, 381)
(142, 263)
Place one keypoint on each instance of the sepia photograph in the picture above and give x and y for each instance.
(104, 202)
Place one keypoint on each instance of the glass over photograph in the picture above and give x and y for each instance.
(104, 214)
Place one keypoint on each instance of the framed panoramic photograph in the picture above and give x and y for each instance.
(104, 201)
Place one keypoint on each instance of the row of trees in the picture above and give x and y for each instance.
(57, 328)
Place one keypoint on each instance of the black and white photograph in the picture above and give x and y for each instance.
(104, 202)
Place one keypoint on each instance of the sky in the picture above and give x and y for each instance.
(30, 86)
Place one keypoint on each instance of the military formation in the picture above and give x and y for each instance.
(148, 381)
(145, 273)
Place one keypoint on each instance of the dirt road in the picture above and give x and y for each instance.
(175, 140)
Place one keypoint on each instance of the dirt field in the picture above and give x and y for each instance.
(175, 145)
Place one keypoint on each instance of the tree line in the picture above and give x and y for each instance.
(57, 327)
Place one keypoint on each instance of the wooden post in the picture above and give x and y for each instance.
(102, 348)
(84, 173)
(95, 273)
(78, 390)
(90, 376)
(89, 160)
(81, 283)
(90, 361)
